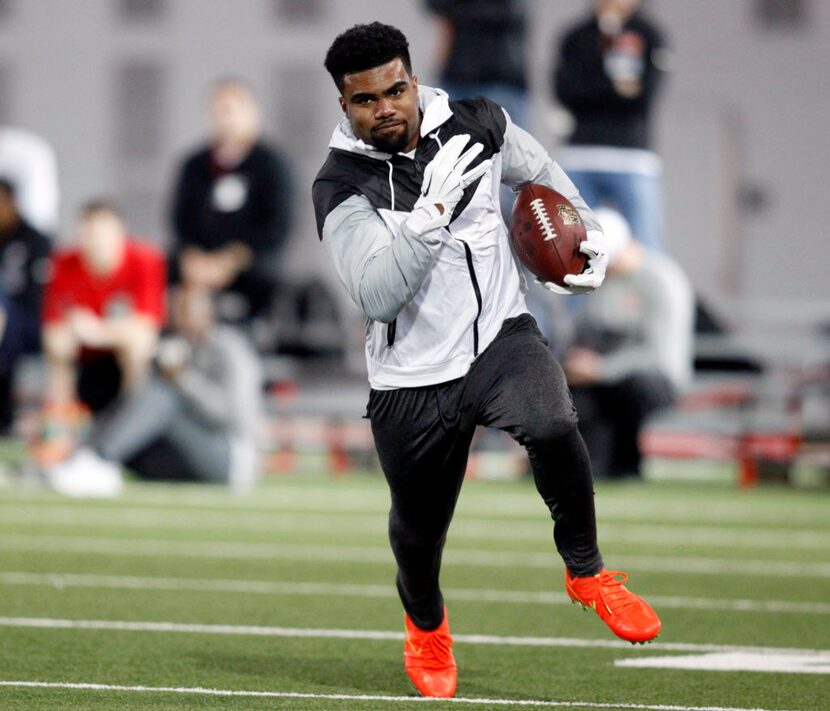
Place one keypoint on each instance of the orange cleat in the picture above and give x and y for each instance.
(628, 615)
(427, 656)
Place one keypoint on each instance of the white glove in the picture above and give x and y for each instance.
(590, 279)
(444, 183)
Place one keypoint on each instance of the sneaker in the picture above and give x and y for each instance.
(428, 659)
(628, 615)
(61, 427)
(85, 474)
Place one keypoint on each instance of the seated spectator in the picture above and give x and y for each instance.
(103, 308)
(232, 207)
(196, 418)
(632, 351)
(24, 256)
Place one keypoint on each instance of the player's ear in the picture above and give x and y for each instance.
(415, 83)
(342, 103)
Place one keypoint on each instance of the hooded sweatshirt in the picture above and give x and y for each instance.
(433, 301)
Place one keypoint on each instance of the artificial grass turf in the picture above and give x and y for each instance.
(295, 511)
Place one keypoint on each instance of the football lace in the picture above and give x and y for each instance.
(542, 217)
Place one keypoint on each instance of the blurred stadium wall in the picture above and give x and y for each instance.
(118, 87)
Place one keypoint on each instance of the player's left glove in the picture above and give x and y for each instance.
(591, 277)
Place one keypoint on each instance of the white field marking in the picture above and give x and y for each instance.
(673, 563)
(201, 691)
(494, 504)
(57, 623)
(60, 581)
(737, 661)
(469, 528)
(53, 623)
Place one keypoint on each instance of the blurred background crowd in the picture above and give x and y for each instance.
(166, 309)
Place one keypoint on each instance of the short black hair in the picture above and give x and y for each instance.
(365, 47)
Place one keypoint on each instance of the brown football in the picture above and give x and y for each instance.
(546, 231)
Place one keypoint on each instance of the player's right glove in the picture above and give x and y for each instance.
(444, 183)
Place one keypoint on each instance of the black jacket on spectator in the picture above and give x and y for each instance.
(489, 42)
(24, 254)
(581, 84)
(249, 203)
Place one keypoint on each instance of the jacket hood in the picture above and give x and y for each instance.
(435, 110)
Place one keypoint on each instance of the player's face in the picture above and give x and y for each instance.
(382, 106)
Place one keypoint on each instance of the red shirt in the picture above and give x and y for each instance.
(137, 286)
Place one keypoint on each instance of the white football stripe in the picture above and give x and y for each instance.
(131, 582)
(378, 635)
(201, 691)
(737, 661)
(382, 555)
(496, 504)
(463, 528)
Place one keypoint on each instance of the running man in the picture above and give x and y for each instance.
(407, 206)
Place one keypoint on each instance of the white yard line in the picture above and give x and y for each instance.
(463, 528)
(54, 623)
(380, 554)
(267, 587)
(200, 691)
(493, 504)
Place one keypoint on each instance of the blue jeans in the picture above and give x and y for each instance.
(638, 197)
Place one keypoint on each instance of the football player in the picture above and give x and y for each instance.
(407, 206)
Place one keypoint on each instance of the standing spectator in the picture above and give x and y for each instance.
(607, 76)
(633, 349)
(24, 256)
(195, 419)
(481, 52)
(233, 205)
(29, 163)
(104, 305)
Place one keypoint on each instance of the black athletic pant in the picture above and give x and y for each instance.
(423, 437)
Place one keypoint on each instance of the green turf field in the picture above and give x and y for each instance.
(284, 599)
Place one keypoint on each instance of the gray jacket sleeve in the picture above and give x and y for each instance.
(380, 273)
(524, 160)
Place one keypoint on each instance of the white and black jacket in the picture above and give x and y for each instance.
(433, 301)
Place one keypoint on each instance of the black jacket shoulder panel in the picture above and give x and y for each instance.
(345, 174)
(483, 119)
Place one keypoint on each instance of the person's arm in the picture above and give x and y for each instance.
(655, 64)
(582, 84)
(231, 397)
(579, 79)
(210, 398)
(666, 326)
(525, 161)
(380, 273)
(186, 205)
(273, 204)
